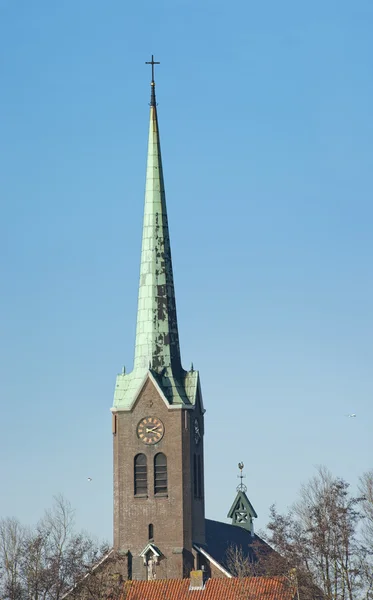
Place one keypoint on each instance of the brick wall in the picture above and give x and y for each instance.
(170, 516)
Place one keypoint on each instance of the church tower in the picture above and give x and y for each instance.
(158, 428)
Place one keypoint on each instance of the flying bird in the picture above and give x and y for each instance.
(351, 416)
(89, 478)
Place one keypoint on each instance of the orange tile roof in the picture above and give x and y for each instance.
(249, 588)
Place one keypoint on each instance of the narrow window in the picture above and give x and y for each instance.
(150, 531)
(160, 474)
(195, 476)
(114, 424)
(140, 475)
(199, 474)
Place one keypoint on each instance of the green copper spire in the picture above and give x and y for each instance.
(157, 338)
(157, 349)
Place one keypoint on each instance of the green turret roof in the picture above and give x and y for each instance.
(242, 511)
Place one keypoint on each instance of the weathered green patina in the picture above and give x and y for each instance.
(157, 348)
(242, 512)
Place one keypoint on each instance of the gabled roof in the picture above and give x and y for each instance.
(249, 588)
(175, 393)
(150, 548)
(212, 560)
(221, 536)
(242, 511)
(241, 496)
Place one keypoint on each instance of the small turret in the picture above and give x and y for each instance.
(242, 512)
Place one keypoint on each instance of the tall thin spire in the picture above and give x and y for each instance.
(157, 338)
(157, 349)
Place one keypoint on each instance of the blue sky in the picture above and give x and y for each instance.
(265, 112)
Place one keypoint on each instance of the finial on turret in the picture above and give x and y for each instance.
(152, 62)
(242, 487)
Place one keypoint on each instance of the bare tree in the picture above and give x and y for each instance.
(12, 535)
(103, 580)
(42, 563)
(239, 562)
(260, 560)
(319, 537)
(366, 490)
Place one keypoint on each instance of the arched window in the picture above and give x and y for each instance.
(150, 531)
(140, 475)
(160, 474)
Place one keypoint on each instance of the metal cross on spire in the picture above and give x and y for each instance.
(152, 62)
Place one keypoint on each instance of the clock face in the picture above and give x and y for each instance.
(150, 430)
(197, 431)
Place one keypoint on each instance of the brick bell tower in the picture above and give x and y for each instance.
(158, 412)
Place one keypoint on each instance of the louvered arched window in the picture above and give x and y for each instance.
(160, 474)
(140, 475)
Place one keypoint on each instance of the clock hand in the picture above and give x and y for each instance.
(152, 429)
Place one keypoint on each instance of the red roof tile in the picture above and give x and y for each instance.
(250, 588)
